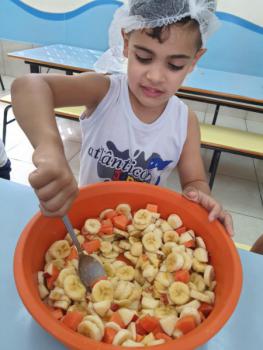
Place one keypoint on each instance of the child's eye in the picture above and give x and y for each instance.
(142, 59)
(174, 67)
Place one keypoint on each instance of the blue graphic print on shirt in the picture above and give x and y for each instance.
(114, 165)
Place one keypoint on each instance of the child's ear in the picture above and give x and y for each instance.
(125, 43)
(197, 57)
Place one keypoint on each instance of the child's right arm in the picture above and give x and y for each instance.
(34, 98)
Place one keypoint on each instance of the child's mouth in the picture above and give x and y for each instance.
(151, 92)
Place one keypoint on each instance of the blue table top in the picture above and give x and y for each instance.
(243, 86)
(61, 55)
(18, 330)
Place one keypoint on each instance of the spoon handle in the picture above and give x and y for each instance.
(73, 236)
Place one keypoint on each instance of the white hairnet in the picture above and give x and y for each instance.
(139, 14)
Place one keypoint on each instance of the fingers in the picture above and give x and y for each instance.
(55, 187)
(215, 212)
(191, 193)
(60, 203)
(227, 221)
(212, 206)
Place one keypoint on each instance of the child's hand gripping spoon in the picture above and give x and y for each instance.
(90, 270)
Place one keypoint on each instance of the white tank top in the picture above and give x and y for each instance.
(117, 146)
(3, 156)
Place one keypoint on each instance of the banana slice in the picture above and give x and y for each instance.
(191, 311)
(198, 266)
(165, 226)
(63, 274)
(103, 290)
(43, 291)
(106, 247)
(170, 236)
(102, 307)
(123, 290)
(195, 294)
(62, 304)
(73, 287)
(56, 294)
(209, 275)
(132, 343)
(168, 324)
(174, 262)
(96, 320)
(122, 336)
(40, 277)
(185, 237)
(132, 329)
(151, 242)
(48, 257)
(149, 302)
(211, 296)
(199, 281)
(163, 311)
(79, 306)
(168, 247)
(125, 273)
(136, 249)
(150, 272)
(141, 219)
(179, 293)
(120, 233)
(113, 325)
(126, 315)
(138, 277)
(149, 228)
(133, 259)
(177, 333)
(200, 242)
(174, 221)
(124, 209)
(92, 226)
(201, 255)
(125, 245)
(59, 249)
(153, 258)
(108, 268)
(193, 304)
(156, 342)
(187, 261)
(90, 329)
(165, 278)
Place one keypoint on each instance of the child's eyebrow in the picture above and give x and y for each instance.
(152, 53)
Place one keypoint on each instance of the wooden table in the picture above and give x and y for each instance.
(210, 86)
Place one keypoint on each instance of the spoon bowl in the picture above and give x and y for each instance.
(90, 269)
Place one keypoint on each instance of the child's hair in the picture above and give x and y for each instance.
(186, 22)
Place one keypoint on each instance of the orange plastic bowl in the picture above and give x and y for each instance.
(41, 232)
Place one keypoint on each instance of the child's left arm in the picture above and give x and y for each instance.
(193, 177)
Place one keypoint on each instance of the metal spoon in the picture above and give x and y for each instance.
(90, 269)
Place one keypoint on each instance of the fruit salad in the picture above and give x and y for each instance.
(159, 286)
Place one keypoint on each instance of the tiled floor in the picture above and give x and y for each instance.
(238, 184)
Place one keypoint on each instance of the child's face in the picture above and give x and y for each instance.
(156, 70)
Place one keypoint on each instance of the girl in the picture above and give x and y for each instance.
(134, 127)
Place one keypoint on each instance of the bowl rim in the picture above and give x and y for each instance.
(71, 338)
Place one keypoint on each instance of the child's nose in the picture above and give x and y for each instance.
(155, 74)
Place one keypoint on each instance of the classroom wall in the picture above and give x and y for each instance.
(237, 46)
